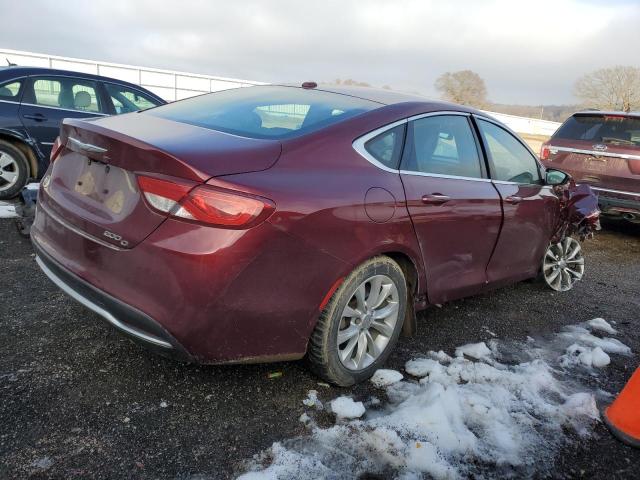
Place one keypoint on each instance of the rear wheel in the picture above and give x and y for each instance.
(360, 325)
(13, 170)
(563, 264)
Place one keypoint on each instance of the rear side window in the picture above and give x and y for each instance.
(443, 145)
(387, 147)
(10, 90)
(126, 100)
(265, 111)
(614, 129)
(69, 93)
(510, 160)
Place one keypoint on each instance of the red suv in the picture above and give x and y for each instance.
(601, 149)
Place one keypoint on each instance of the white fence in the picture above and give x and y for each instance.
(168, 84)
(172, 85)
(532, 126)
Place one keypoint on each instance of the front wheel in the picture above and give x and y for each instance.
(360, 325)
(14, 171)
(563, 264)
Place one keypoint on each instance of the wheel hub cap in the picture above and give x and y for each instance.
(368, 322)
(8, 171)
(563, 264)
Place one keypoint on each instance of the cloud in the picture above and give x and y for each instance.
(527, 52)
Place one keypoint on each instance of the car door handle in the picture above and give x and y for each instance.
(38, 117)
(435, 199)
(513, 199)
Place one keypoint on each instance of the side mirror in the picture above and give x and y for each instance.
(556, 177)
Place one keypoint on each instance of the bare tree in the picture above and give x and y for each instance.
(616, 88)
(464, 87)
(349, 82)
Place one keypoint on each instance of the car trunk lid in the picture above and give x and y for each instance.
(92, 185)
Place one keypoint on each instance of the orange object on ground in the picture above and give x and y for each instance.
(623, 415)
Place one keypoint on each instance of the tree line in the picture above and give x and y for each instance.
(616, 88)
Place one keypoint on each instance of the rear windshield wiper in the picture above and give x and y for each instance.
(618, 141)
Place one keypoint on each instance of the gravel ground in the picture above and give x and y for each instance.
(78, 400)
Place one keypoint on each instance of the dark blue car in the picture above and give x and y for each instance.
(33, 102)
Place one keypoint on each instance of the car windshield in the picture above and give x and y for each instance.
(614, 129)
(265, 111)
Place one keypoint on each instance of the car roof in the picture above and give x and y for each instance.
(21, 71)
(617, 113)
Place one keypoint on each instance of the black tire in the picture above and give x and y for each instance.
(19, 166)
(322, 353)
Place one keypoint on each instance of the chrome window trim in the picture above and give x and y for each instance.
(621, 192)
(437, 114)
(13, 102)
(358, 145)
(99, 310)
(440, 175)
(595, 153)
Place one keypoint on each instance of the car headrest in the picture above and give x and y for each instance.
(82, 99)
(65, 98)
(5, 92)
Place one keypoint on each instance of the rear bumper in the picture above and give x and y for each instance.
(618, 203)
(128, 320)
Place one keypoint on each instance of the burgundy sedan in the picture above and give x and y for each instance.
(277, 222)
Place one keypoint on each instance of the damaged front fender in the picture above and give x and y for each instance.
(579, 212)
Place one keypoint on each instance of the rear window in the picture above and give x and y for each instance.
(612, 129)
(265, 112)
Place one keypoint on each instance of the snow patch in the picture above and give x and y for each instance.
(345, 407)
(590, 357)
(7, 210)
(505, 409)
(312, 400)
(384, 378)
(602, 325)
(474, 350)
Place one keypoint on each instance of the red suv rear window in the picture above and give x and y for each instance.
(602, 128)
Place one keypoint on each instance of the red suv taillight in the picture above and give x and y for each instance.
(204, 204)
(544, 152)
(55, 149)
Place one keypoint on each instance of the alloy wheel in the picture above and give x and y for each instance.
(8, 171)
(368, 322)
(563, 264)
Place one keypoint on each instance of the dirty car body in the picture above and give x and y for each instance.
(601, 149)
(306, 184)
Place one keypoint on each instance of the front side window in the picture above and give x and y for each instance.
(386, 148)
(443, 145)
(510, 160)
(10, 90)
(265, 111)
(126, 100)
(69, 93)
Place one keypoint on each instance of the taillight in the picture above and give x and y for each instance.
(544, 152)
(55, 149)
(634, 166)
(204, 204)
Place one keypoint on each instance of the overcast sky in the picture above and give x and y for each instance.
(528, 52)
